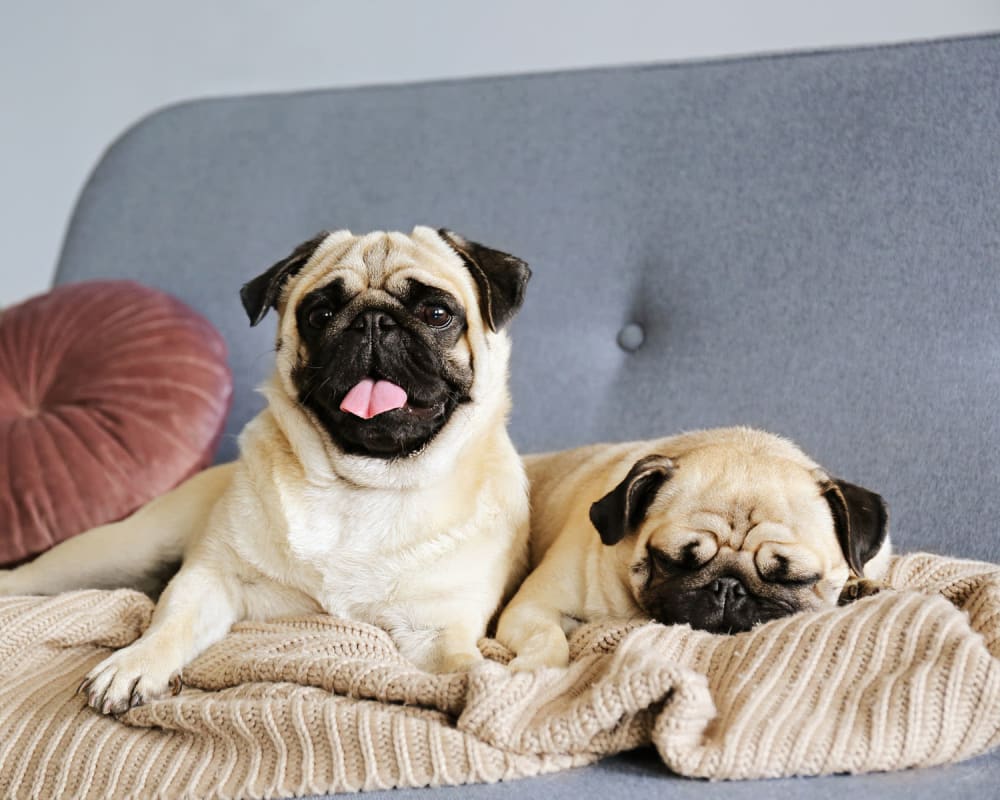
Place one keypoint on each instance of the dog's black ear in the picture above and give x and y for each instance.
(622, 510)
(500, 277)
(861, 520)
(263, 292)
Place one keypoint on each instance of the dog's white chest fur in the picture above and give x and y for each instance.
(400, 559)
(358, 544)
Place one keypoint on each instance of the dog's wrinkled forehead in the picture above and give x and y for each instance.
(729, 495)
(385, 261)
(718, 484)
(490, 283)
(733, 483)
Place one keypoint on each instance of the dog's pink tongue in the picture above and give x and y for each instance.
(386, 396)
(357, 400)
(369, 399)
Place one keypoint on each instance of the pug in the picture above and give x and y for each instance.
(719, 529)
(379, 484)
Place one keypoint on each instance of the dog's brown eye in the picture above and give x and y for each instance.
(436, 316)
(320, 317)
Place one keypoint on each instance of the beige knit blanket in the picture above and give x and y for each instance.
(315, 705)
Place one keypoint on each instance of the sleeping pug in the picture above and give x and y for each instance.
(720, 529)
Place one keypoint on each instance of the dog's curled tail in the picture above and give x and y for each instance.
(141, 552)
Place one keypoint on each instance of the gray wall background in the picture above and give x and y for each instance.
(74, 75)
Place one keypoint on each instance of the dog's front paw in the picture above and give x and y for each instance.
(544, 649)
(857, 588)
(128, 678)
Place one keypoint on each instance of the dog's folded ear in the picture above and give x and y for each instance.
(622, 510)
(500, 278)
(860, 518)
(262, 292)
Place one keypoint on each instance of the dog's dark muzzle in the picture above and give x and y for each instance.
(722, 605)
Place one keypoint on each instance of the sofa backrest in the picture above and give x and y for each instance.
(807, 243)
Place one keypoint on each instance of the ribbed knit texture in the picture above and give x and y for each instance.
(315, 705)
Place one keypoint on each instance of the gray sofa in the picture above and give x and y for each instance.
(807, 243)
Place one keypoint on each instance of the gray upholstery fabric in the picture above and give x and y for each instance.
(809, 242)
(640, 774)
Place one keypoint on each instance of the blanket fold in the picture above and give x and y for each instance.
(906, 678)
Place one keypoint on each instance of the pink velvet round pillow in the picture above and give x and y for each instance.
(111, 393)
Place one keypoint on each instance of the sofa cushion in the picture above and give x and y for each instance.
(111, 393)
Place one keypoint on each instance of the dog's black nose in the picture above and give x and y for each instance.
(373, 321)
(727, 589)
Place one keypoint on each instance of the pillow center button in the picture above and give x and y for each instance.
(631, 337)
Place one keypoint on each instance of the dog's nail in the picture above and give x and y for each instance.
(132, 692)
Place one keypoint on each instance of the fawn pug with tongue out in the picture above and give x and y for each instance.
(379, 484)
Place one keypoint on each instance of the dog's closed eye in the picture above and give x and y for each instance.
(691, 557)
(780, 569)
